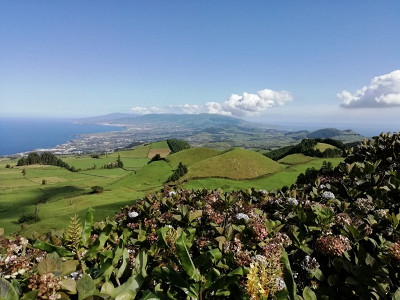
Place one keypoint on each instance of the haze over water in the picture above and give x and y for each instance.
(21, 135)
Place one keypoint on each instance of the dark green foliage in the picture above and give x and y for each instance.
(308, 176)
(156, 157)
(28, 218)
(176, 145)
(306, 147)
(8, 166)
(120, 164)
(97, 189)
(178, 173)
(114, 165)
(311, 174)
(45, 158)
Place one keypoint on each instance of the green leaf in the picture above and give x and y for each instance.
(173, 277)
(288, 276)
(69, 285)
(396, 295)
(149, 296)
(140, 263)
(101, 240)
(185, 258)
(127, 295)
(52, 248)
(86, 287)
(7, 291)
(125, 260)
(30, 295)
(119, 251)
(195, 214)
(108, 289)
(87, 227)
(69, 266)
(131, 286)
(208, 257)
(308, 294)
(47, 265)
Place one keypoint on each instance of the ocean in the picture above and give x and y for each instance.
(22, 134)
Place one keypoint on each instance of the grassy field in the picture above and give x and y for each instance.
(67, 193)
(295, 159)
(234, 164)
(160, 148)
(191, 156)
(274, 181)
(322, 147)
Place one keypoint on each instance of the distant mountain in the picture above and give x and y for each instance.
(332, 133)
(188, 121)
(207, 130)
(109, 118)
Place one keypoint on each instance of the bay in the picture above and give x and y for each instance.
(26, 134)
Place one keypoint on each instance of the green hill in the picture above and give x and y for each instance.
(295, 159)
(323, 146)
(191, 156)
(235, 164)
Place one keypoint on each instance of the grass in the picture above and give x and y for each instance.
(295, 159)
(235, 164)
(140, 151)
(191, 156)
(322, 147)
(274, 181)
(159, 145)
(162, 151)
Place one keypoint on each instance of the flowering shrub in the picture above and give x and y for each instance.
(335, 240)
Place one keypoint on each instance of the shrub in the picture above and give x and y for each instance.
(97, 189)
(28, 218)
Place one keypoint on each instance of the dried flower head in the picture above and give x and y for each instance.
(394, 252)
(342, 219)
(364, 205)
(333, 245)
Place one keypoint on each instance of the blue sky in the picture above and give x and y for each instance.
(270, 61)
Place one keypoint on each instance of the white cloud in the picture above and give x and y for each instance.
(146, 110)
(249, 104)
(236, 105)
(185, 109)
(383, 91)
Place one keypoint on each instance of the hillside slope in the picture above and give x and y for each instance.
(235, 164)
(191, 156)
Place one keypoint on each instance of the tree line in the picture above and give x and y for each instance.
(45, 158)
(176, 145)
(306, 147)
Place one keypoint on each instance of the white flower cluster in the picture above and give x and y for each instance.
(292, 201)
(310, 263)
(264, 192)
(132, 214)
(380, 213)
(242, 216)
(280, 283)
(259, 258)
(171, 193)
(328, 195)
